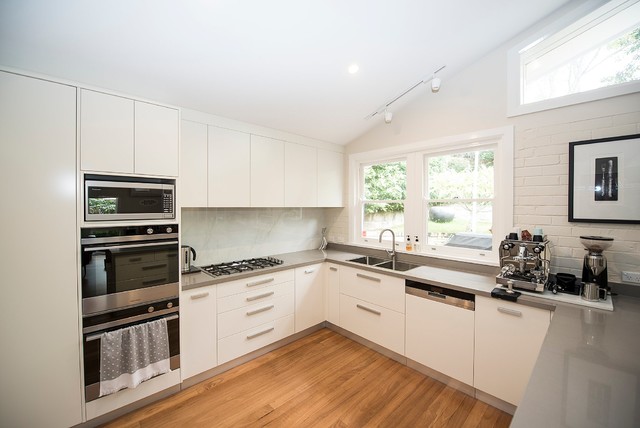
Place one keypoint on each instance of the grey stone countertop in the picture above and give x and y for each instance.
(588, 370)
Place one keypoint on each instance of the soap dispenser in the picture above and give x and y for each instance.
(409, 247)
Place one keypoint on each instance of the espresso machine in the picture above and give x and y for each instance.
(594, 268)
(524, 264)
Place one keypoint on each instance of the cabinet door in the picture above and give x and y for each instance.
(156, 139)
(441, 337)
(330, 178)
(300, 176)
(508, 340)
(198, 352)
(193, 164)
(106, 132)
(267, 172)
(309, 297)
(229, 168)
(40, 376)
(332, 308)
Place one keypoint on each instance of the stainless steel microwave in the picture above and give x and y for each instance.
(108, 198)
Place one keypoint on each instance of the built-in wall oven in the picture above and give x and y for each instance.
(130, 276)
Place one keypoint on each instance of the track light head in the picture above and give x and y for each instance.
(388, 116)
(435, 84)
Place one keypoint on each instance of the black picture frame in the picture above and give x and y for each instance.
(604, 180)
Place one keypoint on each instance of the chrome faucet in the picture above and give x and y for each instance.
(392, 251)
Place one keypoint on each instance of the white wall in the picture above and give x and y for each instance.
(476, 99)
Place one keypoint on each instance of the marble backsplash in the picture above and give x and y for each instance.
(226, 234)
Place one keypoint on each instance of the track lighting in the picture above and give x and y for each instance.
(435, 87)
(388, 116)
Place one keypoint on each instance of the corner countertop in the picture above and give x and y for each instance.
(588, 370)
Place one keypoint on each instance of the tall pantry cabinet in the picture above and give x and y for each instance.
(40, 376)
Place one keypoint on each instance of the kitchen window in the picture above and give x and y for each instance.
(454, 193)
(458, 199)
(594, 56)
(383, 190)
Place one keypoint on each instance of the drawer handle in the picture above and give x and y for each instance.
(260, 296)
(370, 278)
(309, 271)
(260, 333)
(509, 312)
(364, 308)
(257, 311)
(199, 296)
(262, 281)
(164, 265)
(335, 269)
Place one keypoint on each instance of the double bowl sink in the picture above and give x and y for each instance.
(383, 263)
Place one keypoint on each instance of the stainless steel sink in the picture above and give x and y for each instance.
(399, 266)
(383, 263)
(368, 260)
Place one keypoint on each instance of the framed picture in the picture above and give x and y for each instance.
(604, 180)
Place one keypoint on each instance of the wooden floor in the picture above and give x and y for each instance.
(322, 380)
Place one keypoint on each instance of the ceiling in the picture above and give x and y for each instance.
(280, 63)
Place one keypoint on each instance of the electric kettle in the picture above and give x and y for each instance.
(185, 253)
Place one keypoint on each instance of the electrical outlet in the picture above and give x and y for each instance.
(631, 277)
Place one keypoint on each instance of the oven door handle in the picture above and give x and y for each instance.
(126, 246)
(99, 335)
(169, 314)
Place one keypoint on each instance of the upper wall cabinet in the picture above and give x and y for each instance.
(330, 178)
(193, 165)
(267, 172)
(229, 168)
(120, 135)
(300, 176)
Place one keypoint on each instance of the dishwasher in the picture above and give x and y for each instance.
(440, 329)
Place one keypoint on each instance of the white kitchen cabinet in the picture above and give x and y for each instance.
(441, 337)
(300, 176)
(229, 168)
(310, 296)
(157, 136)
(373, 322)
(332, 305)
(120, 135)
(193, 164)
(254, 312)
(198, 331)
(267, 172)
(508, 338)
(330, 178)
(383, 290)
(39, 324)
(106, 132)
(372, 305)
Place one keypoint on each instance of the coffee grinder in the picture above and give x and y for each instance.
(594, 268)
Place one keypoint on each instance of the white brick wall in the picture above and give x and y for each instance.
(541, 192)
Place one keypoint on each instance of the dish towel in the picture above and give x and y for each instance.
(131, 355)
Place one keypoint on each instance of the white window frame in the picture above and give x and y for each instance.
(570, 22)
(501, 138)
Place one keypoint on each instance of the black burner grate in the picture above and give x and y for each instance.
(240, 266)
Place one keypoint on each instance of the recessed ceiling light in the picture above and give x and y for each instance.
(353, 68)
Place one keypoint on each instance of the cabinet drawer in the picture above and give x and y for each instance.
(372, 287)
(254, 283)
(237, 320)
(247, 341)
(376, 323)
(253, 297)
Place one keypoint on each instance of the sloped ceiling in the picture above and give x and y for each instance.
(280, 64)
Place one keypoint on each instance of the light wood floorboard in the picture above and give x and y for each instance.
(322, 380)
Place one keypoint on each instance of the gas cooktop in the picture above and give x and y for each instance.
(240, 266)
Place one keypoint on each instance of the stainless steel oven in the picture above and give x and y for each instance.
(95, 325)
(128, 265)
